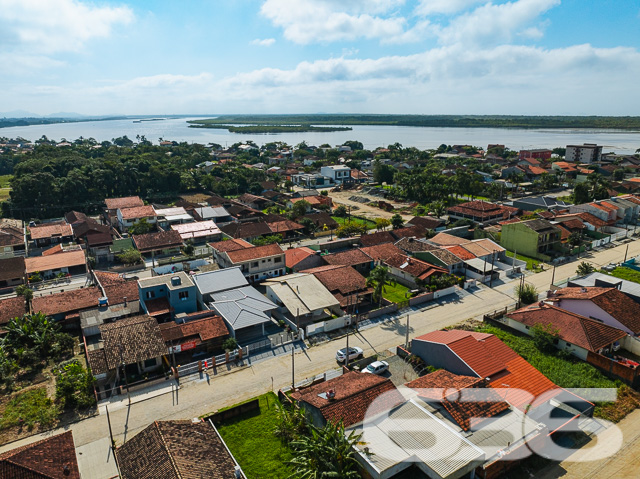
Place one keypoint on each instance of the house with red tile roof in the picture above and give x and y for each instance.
(446, 239)
(159, 243)
(177, 449)
(379, 237)
(51, 458)
(426, 222)
(347, 398)
(228, 245)
(12, 241)
(609, 305)
(600, 209)
(11, 308)
(127, 217)
(412, 272)
(357, 258)
(66, 306)
(256, 263)
(576, 333)
(51, 234)
(298, 259)
(381, 252)
(347, 285)
(483, 355)
(67, 262)
(12, 272)
(482, 212)
(198, 331)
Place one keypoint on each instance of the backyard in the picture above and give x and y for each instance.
(251, 439)
(532, 263)
(625, 273)
(395, 293)
(345, 220)
(570, 373)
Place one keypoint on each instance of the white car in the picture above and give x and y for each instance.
(377, 367)
(354, 353)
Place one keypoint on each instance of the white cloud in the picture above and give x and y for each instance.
(430, 7)
(264, 42)
(494, 24)
(51, 26)
(325, 21)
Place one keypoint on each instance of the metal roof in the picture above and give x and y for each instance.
(220, 280)
(242, 307)
(301, 293)
(410, 434)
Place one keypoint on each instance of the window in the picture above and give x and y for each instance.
(149, 363)
(183, 295)
(277, 260)
(254, 264)
(151, 294)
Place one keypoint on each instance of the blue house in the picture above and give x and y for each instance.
(163, 297)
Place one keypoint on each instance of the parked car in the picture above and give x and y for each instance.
(610, 267)
(377, 367)
(354, 353)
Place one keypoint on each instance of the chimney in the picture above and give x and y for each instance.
(125, 300)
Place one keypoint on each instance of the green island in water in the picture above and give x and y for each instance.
(302, 123)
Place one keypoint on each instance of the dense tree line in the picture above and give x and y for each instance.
(52, 180)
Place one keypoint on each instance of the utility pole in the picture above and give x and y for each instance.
(124, 370)
(406, 339)
(493, 258)
(346, 362)
(625, 253)
(553, 275)
(293, 369)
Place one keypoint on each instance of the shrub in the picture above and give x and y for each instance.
(230, 344)
(544, 337)
(340, 211)
(526, 293)
(130, 256)
(585, 268)
(74, 385)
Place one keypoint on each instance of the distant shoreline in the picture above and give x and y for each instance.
(259, 129)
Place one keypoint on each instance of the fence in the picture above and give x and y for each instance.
(613, 368)
(234, 411)
(198, 366)
(329, 325)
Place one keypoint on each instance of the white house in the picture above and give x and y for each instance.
(338, 173)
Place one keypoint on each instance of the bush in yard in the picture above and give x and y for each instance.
(74, 385)
(24, 290)
(130, 256)
(397, 221)
(292, 423)
(526, 293)
(351, 229)
(340, 211)
(585, 268)
(230, 344)
(545, 336)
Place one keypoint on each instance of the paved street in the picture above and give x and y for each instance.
(196, 398)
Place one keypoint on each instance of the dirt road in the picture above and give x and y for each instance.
(342, 198)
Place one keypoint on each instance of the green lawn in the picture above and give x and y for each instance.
(566, 373)
(30, 408)
(532, 263)
(251, 440)
(395, 293)
(368, 223)
(4, 180)
(625, 273)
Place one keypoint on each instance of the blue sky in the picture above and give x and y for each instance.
(531, 57)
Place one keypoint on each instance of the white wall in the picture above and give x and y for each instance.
(591, 310)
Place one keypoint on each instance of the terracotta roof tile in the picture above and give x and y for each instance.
(321, 219)
(11, 308)
(294, 255)
(126, 202)
(116, 288)
(447, 257)
(412, 245)
(205, 329)
(354, 393)
(50, 231)
(461, 252)
(53, 457)
(12, 268)
(158, 240)
(611, 300)
(426, 222)
(246, 230)
(584, 332)
(138, 212)
(413, 266)
(67, 302)
(341, 281)
(382, 252)
(132, 340)
(10, 236)
(445, 239)
(284, 226)
(176, 450)
(256, 252)
(55, 261)
(377, 238)
(230, 245)
(409, 232)
(350, 257)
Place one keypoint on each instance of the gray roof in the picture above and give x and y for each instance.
(242, 307)
(606, 281)
(220, 280)
(210, 212)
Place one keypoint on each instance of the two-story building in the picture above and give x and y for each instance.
(163, 297)
(177, 215)
(51, 234)
(113, 204)
(127, 217)
(12, 242)
(337, 173)
(535, 238)
(256, 263)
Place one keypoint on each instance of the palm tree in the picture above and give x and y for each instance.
(326, 452)
(378, 279)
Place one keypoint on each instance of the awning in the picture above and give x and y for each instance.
(480, 265)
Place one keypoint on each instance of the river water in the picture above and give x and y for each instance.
(176, 129)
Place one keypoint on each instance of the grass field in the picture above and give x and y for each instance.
(368, 223)
(395, 293)
(251, 440)
(4, 187)
(532, 263)
(29, 409)
(625, 273)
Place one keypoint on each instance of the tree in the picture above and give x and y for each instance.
(140, 227)
(292, 423)
(354, 145)
(526, 293)
(265, 240)
(351, 229)
(24, 290)
(326, 453)
(378, 279)
(288, 185)
(309, 226)
(575, 239)
(545, 336)
(300, 208)
(74, 385)
(340, 211)
(585, 268)
(397, 221)
(581, 194)
(383, 173)
(188, 249)
(382, 223)
(230, 344)
(130, 256)
(438, 208)
(618, 174)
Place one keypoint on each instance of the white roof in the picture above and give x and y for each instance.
(301, 293)
(175, 211)
(199, 229)
(410, 434)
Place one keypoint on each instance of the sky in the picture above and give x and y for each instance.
(517, 57)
